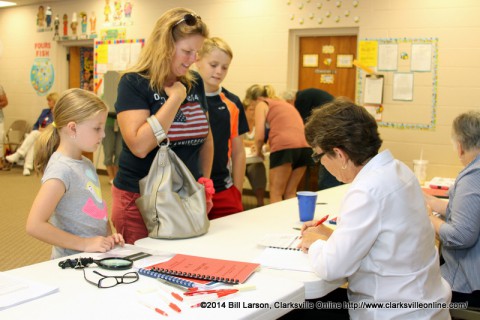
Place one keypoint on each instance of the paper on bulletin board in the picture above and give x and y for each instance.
(387, 57)
(403, 86)
(374, 111)
(101, 54)
(368, 53)
(421, 57)
(373, 90)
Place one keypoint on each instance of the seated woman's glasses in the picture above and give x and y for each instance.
(316, 157)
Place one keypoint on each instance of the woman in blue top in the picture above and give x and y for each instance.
(458, 223)
(161, 84)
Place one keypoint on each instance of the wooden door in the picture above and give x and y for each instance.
(327, 76)
(338, 81)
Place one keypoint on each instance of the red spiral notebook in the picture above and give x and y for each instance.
(228, 271)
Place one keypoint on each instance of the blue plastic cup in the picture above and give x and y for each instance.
(307, 201)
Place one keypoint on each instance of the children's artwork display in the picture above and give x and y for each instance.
(114, 55)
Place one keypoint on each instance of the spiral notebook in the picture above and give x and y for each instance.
(281, 241)
(228, 271)
(182, 282)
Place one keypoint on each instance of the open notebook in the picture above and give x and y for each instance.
(281, 252)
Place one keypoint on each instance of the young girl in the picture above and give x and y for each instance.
(69, 212)
(228, 123)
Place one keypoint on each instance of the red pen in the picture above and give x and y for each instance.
(157, 310)
(319, 222)
(172, 305)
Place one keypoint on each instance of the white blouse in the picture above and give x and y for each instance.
(384, 244)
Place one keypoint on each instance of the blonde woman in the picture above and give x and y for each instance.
(161, 86)
(289, 151)
(68, 211)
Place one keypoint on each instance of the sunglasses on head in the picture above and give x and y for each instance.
(189, 19)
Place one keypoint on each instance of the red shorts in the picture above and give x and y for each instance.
(126, 217)
(225, 203)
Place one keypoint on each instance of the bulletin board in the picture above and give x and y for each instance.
(114, 55)
(407, 67)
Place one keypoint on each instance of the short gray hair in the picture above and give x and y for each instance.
(466, 130)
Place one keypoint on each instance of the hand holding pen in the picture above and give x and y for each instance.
(313, 224)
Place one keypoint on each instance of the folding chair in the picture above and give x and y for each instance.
(14, 137)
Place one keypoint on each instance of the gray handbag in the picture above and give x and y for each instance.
(172, 202)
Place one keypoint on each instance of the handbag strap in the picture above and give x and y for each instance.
(157, 129)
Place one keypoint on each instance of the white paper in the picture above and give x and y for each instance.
(421, 57)
(135, 50)
(403, 86)
(387, 57)
(373, 90)
(284, 259)
(14, 291)
(280, 240)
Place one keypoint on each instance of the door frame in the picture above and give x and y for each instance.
(294, 36)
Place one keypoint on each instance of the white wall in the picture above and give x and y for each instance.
(258, 32)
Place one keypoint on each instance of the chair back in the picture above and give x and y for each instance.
(16, 134)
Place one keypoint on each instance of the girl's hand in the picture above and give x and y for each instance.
(99, 244)
(118, 239)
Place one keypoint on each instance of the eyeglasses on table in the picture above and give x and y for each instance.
(108, 281)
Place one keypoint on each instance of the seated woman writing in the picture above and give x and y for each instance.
(384, 243)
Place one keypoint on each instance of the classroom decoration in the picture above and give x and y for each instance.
(118, 13)
(44, 19)
(42, 74)
(325, 12)
(407, 68)
(114, 55)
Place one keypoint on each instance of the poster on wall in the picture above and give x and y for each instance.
(114, 55)
(42, 74)
(86, 66)
(368, 53)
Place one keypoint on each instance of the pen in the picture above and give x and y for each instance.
(322, 203)
(174, 294)
(319, 222)
(172, 305)
(157, 310)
